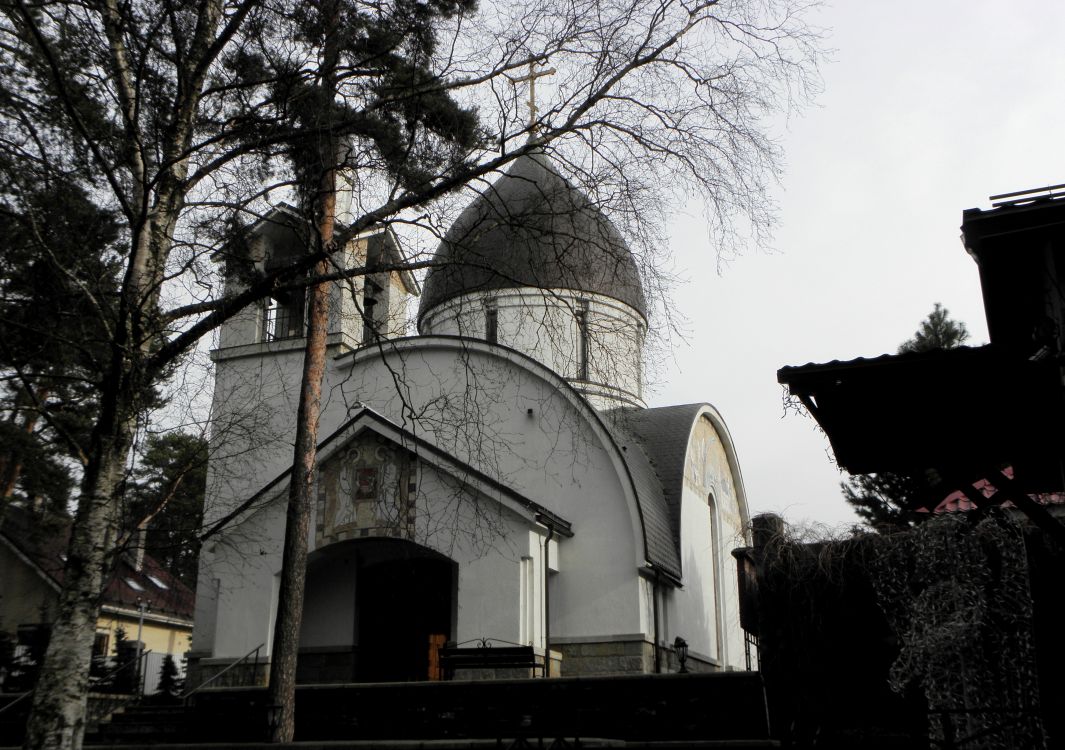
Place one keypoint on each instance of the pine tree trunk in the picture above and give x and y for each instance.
(294, 560)
(285, 650)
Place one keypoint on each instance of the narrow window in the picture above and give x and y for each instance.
(716, 569)
(370, 299)
(581, 314)
(491, 322)
(527, 608)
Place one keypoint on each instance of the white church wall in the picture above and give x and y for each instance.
(486, 540)
(545, 325)
(253, 416)
(705, 612)
(476, 405)
(245, 560)
(694, 608)
(513, 424)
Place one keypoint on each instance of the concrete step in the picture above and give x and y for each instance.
(591, 743)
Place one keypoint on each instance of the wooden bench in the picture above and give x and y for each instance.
(486, 655)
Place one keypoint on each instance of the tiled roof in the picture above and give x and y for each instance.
(959, 501)
(43, 541)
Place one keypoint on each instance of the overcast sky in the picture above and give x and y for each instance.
(928, 108)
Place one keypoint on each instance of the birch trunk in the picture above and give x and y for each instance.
(57, 718)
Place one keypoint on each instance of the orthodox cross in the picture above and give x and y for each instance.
(531, 78)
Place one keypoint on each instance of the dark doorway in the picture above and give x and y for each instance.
(402, 604)
(376, 611)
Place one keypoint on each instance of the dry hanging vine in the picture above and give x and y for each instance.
(956, 591)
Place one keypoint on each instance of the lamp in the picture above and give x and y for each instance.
(680, 646)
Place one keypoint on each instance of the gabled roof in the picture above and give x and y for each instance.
(368, 419)
(41, 541)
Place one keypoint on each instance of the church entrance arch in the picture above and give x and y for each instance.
(375, 610)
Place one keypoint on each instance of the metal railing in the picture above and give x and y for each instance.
(212, 678)
(15, 702)
(135, 665)
(105, 679)
(282, 322)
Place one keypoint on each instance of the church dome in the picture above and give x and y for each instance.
(531, 228)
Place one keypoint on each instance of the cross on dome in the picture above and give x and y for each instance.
(531, 77)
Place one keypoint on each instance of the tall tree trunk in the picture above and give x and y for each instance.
(57, 718)
(322, 200)
(294, 559)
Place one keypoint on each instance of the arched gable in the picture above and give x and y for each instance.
(448, 389)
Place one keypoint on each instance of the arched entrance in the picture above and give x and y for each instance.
(374, 611)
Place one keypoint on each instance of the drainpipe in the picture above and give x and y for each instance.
(654, 610)
(547, 602)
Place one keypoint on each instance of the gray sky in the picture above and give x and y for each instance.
(928, 108)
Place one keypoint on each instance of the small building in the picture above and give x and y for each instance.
(140, 595)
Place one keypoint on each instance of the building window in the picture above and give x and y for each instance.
(100, 642)
(371, 310)
(491, 322)
(716, 570)
(581, 315)
(284, 316)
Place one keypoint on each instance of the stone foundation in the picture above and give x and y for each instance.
(615, 657)
(635, 655)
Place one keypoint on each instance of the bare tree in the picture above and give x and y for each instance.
(177, 116)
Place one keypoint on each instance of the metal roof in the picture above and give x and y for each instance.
(656, 451)
(958, 410)
(531, 228)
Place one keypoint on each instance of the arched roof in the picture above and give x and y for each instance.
(531, 228)
(665, 433)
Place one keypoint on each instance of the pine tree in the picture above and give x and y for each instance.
(886, 500)
(56, 295)
(168, 679)
(937, 331)
(166, 494)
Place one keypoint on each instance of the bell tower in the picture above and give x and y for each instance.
(258, 360)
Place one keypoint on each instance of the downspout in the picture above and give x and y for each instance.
(654, 610)
(547, 601)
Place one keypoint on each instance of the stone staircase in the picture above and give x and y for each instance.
(724, 710)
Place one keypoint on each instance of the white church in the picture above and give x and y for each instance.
(495, 479)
